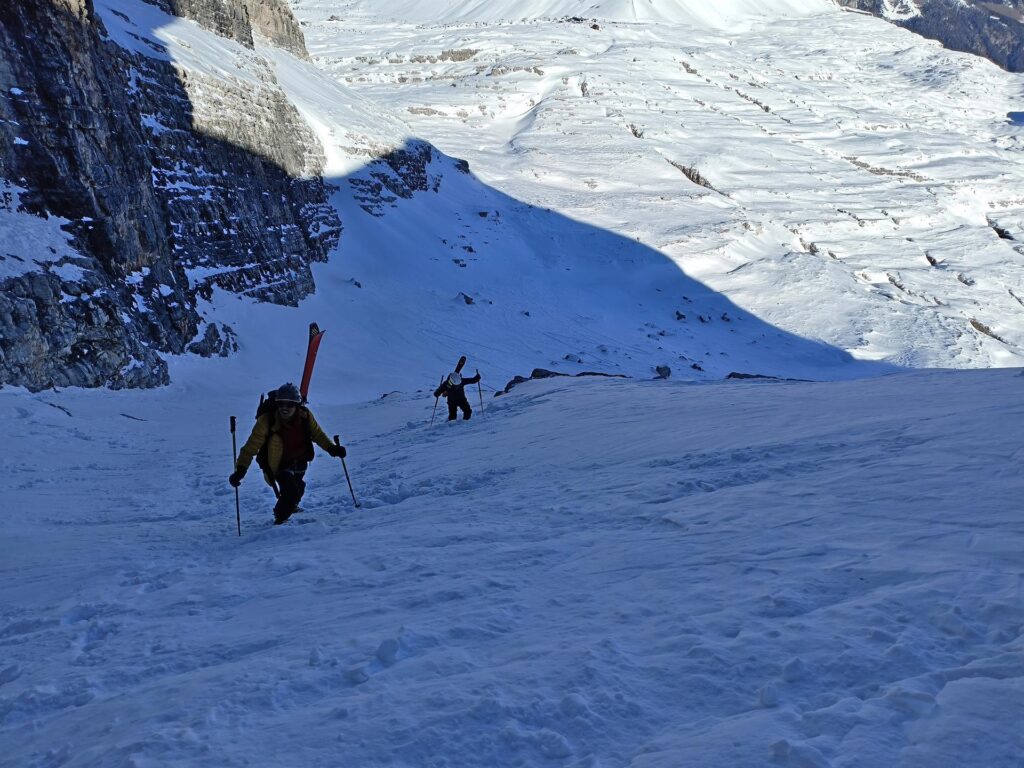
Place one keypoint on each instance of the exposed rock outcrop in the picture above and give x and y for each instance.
(543, 373)
(397, 173)
(274, 20)
(162, 195)
(239, 19)
(227, 18)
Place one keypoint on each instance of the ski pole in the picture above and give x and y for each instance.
(234, 453)
(347, 478)
(480, 391)
(436, 398)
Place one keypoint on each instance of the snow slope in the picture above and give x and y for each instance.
(592, 572)
(722, 13)
(546, 285)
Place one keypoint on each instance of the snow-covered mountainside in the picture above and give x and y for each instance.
(663, 185)
(990, 28)
(639, 194)
(725, 14)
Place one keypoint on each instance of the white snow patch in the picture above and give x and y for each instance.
(30, 243)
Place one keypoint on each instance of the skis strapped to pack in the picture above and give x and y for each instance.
(315, 335)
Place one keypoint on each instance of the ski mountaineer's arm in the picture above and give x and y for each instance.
(258, 436)
(472, 379)
(319, 437)
(442, 390)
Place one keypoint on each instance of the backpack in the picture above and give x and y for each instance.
(267, 404)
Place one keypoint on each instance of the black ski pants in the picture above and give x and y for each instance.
(291, 484)
(454, 403)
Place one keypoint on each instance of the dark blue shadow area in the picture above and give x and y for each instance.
(1015, 118)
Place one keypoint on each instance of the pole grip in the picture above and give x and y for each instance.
(232, 425)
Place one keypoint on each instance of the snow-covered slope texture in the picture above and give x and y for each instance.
(836, 178)
(796, 575)
(721, 13)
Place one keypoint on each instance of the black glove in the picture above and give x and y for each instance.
(236, 477)
(338, 451)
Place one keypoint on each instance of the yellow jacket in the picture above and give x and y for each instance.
(266, 432)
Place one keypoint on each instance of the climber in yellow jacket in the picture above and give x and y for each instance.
(282, 444)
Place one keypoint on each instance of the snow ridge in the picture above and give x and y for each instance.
(720, 14)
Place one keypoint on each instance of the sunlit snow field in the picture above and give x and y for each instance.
(851, 164)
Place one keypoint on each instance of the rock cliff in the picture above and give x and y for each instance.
(149, 185)
(239, 19)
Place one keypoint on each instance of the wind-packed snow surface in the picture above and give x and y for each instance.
(591, 572)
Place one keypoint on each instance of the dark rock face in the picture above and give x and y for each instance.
(544, 373)
(238, 19)
(399, 173)
(273, 19)
(225, 17)
(164, 198)
(993, 29)
(61, 98)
